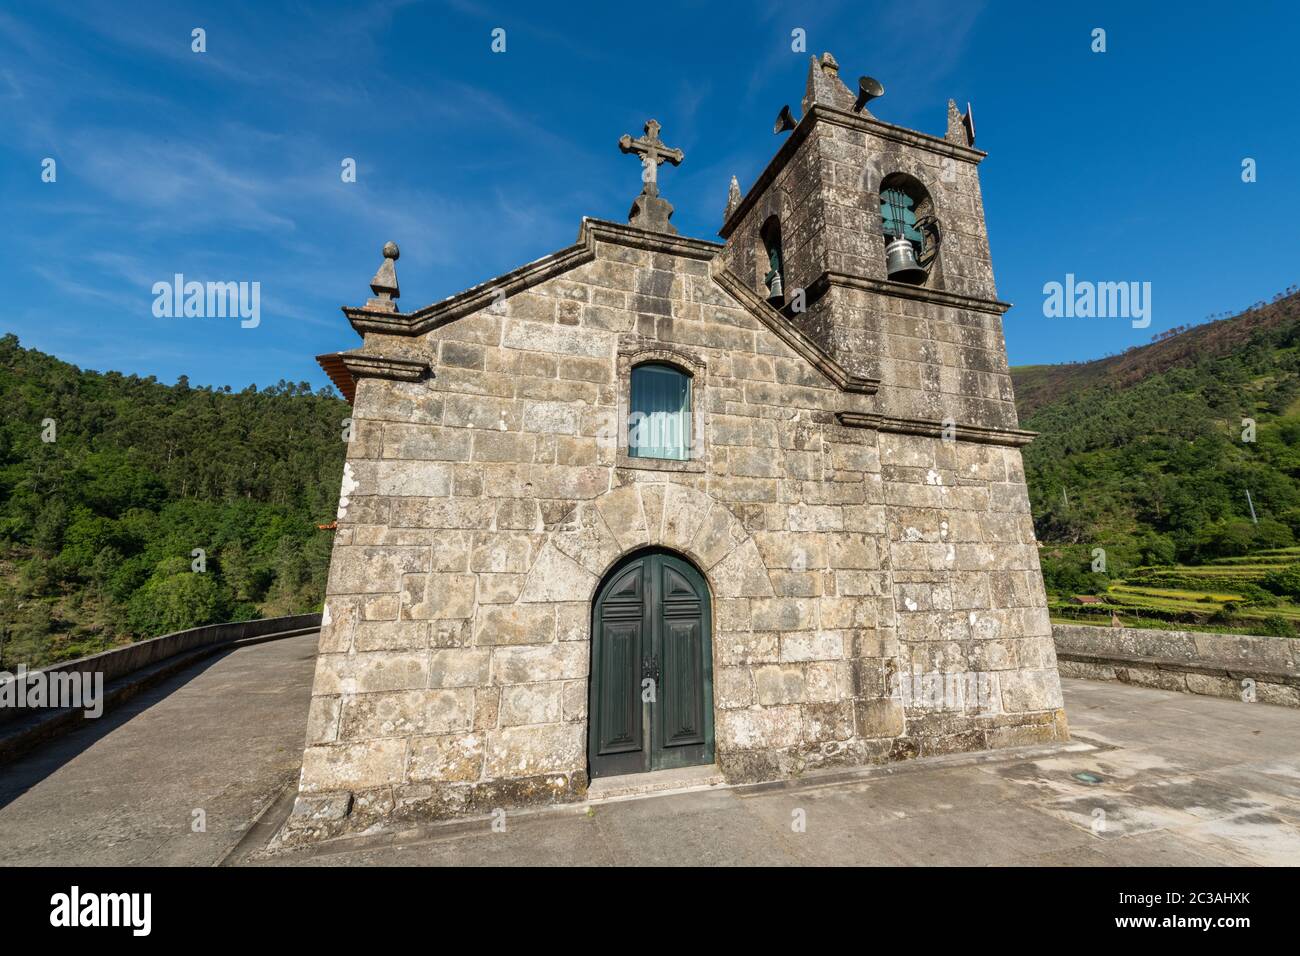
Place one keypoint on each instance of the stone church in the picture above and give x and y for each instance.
(652, 501)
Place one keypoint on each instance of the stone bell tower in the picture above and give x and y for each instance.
(934, 341)
(869, 238)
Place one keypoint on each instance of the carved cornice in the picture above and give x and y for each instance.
(591, 231)
(525, 277)
(897, 134)
(813, 353)
(980, 434)
(902, 290)
(362, 365)
(346, 368)
(820, 112)
(622, 234)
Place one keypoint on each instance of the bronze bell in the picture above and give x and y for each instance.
(901, 264)
(774, 286)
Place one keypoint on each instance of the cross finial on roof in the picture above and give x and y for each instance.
(653, 153)
(649, 211)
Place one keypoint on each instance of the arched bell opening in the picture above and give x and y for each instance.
(911, 231)
(772, 267)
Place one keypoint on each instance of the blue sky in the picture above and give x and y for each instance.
(225, 165)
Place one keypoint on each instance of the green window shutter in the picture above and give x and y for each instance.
(659, 421)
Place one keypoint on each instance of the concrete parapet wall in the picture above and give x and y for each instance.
(1238, 666)
(120, 662)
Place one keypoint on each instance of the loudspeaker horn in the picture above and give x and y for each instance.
(785, 121)
(868, 89)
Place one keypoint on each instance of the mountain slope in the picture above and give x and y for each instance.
(1147, 456)
(1038, 385)
(109, 483)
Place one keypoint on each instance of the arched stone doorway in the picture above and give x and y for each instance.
(651, 685)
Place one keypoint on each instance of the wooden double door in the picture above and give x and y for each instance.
(651, 688)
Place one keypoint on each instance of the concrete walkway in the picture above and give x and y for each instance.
(1152, 777)
(224, 737)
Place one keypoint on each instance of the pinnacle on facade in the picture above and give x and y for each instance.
(825, 85)
(733, 198)
(384, 284)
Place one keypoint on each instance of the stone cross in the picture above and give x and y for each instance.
(653, 153)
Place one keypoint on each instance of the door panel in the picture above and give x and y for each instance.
(676, 585)
(681, 691)
(620, 673)
(651, 620)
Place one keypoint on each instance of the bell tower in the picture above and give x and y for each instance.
(871, 238)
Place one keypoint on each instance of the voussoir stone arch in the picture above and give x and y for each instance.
(598, 533)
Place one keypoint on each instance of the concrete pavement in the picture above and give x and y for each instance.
(1152, 777)
(224, 737)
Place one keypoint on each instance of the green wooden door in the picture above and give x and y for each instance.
(651, 696)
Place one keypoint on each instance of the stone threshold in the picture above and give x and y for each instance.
(815, 779)
(630, 786)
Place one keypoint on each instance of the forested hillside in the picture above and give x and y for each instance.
(1150, 455)
(98, 526)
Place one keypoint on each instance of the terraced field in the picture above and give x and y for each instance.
(1224, 595)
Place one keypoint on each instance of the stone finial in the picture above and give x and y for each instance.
(649, 211)
(825, 86)
(384, 284)
(961, 128)
(955, 133)
(733, 198)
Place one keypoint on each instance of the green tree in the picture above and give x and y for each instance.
(176, 598)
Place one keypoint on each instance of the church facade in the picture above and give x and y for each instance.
(653, 501)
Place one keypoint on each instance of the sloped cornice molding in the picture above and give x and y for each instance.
(813, 353)
(903, 290)
(525, 277)
(980, 434)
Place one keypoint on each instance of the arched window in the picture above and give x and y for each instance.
(659, 413)
(911, 230)
(774, 279)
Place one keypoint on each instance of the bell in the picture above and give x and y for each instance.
(774, 287)
(901, 264)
